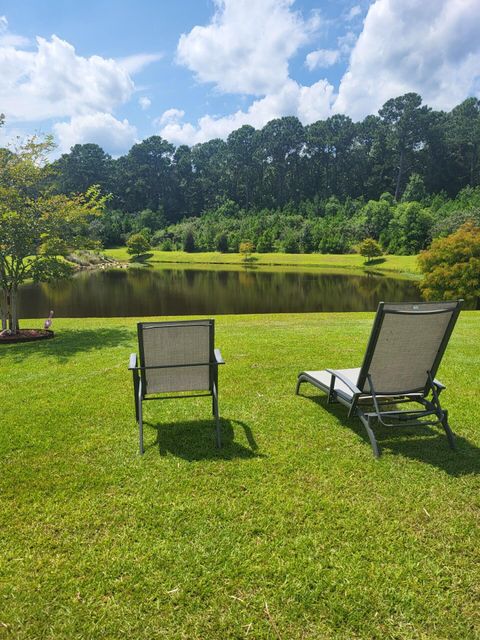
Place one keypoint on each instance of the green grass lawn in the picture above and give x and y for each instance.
(398, 264)
(292, 530)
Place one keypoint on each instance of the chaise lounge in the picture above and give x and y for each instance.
(404, 352)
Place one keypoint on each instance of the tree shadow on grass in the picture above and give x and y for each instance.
(142, 259)
(374, 261)
(195, 440)
(426, 444)
(68, 343)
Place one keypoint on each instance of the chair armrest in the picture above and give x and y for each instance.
(218, 357)
(439, 385)
(132, 363)
(344, 379)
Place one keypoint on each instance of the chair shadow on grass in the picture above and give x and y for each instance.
(195, 440)
(426, 444)
(68, 343)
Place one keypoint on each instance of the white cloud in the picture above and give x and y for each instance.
(8, 39)
(135, 63)
(307, 103)
(54, 81)
(322, 58)
(144, 102)
(430, 47)
(247, 45)
(170, 116)
(114, 136)
(354, 12)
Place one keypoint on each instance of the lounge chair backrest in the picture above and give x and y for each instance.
(178, 348)
(407, 342)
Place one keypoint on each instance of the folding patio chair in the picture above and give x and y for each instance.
(177, 356)
(402, 358)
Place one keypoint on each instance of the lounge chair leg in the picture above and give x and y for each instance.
(371, 435)
(217, 418)
(299, 382)
(448, 431)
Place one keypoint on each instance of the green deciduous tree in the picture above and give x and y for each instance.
(409, 230)
(452, 266)
(370, 248)
(138, 244)
(37, 226)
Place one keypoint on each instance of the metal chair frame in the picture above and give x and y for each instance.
(427, 396)
(139, 376)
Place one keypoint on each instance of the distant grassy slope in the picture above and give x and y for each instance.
(292, 530)
(399, 264)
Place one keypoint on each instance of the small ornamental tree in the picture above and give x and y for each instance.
(370, 248)
(138, 244)
(37, 226)
(246, 249)
(452, 266)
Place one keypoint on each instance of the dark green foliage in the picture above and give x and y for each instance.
(410, 229)
(221, 242)
(188, 241)
(264, 184)
(415, 189)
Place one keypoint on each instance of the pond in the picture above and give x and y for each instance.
(190, 291)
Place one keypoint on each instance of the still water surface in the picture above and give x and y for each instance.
(179, 291)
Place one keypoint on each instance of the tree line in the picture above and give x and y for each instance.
(266, 185)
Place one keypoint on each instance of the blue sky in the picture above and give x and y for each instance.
(117, 71)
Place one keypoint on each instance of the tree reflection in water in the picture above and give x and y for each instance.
(177, 291)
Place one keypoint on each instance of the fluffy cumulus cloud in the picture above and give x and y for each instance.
(246, 49)
(322, 58)
(49, 80)
(430, 47)
(114, 136)
(247, 45)
(307, 103)
(53, 81)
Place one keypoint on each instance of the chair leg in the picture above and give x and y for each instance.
(299, 382)
(215, 413)
(448, 431)
(371, 435)
(140, 421)
(135, 393)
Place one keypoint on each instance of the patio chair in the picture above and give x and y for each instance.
(177, 356)
(402, 358)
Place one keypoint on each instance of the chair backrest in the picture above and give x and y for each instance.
(183, 349)
(407, 341)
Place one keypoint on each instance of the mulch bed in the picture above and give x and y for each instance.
(27, 335)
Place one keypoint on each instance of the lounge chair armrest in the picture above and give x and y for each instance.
(132, 363)
(218, 357)
(344, 379)
(439, 385)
